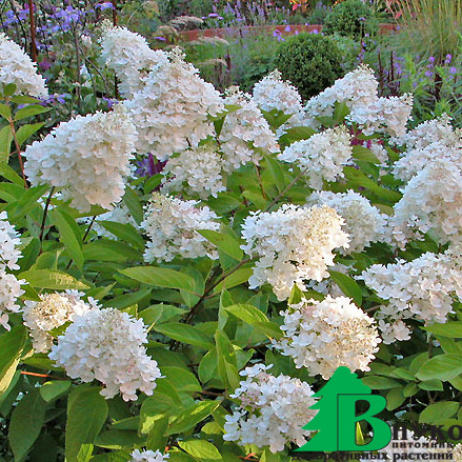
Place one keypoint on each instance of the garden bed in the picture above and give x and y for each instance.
(284, 29)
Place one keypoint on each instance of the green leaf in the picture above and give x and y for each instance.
(184, 333)
(296, 134)
(224, 242)
(69, 235)
(254, 317)
(108, 250)
(276, 172)
(6, 137)
(235, 279)
(29, 111)
(87, 411)
(379, 383)
(443, 367)
(410, 389)
(161, 277)
(55, 280)
(181, 379)
(125, 232)
(226, 360)
(132, 201)
(54, 389)
(26, 422)
(438, 411)
(5, 111)
(191, 416)
(201, 450)
(364, 154)
(348, 286)
(395, 398)
(431, 385)
(11, 347)
(451, 329)
(27, 130)
(341, 111)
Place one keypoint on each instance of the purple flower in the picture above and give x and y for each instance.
(110, 102)
(44, 65)
(431, 59)
(448, 59)
(453, 70)
(149, 166)
(429, 74)
(105, 6)
(287, 28)
(162, 39)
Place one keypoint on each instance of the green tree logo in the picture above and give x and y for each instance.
(336, 420)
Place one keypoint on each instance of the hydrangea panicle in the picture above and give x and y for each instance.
(107, 345)
(292, 245)
(172, 226)
(272, 410)
(323, 336)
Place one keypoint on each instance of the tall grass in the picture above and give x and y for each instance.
(428, 27)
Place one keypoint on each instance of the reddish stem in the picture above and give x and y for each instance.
(33, 31)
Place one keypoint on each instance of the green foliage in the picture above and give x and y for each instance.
(311, 62)
(352, 18)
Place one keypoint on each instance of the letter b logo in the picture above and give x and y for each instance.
(347, 420)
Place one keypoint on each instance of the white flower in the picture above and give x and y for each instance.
(107, 345)
(273, 93)
(87, 157)
(16, 67)
(9, 244)
(423, 289)
(245, 133)
(293, 244)
(172, 112)
(272, 410)
(434, 139)
(357, 88)
(321, 157)
(358, 91)
(431, 201)
(364, 223)
(130, 56)
(195, 171)
(10, 286)
(51, 312)
(172, 226)
(323, 336)
(395, 331)
(147, 456)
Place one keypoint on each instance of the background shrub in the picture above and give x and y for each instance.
(311, 62)
(351, 18)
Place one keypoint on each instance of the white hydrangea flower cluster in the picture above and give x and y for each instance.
(293, 244)
(357, 88)
(423, 289)
(431, 201)
(322, 156)
(172, 112)
(87, 157)
(389, 115)
(359, 91)
(107, 345)
(10, 286)
(245, 133)
(272, 410)
(147, 456)
(16, 67)
(172, 226)
(54, 310)
(273, 93)
(323, 336)
(195, 171)
(364, 223)
(434, 139)
(129, 56)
